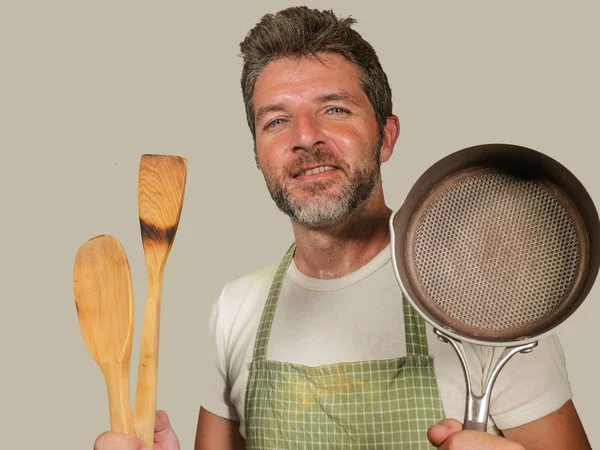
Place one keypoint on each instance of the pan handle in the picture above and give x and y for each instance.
(477, 406)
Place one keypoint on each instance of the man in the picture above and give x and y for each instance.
(324, 352)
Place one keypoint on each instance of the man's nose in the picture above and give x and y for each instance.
(307, 132)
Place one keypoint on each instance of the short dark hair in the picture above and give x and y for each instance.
(299, 31)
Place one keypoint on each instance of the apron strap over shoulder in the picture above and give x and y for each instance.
(266, 320)
(415, 330)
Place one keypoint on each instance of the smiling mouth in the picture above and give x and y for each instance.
(315, 171)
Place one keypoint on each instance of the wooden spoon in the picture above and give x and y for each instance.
(161, 190)
(104, 301)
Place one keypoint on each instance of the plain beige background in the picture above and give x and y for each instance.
(87, 87)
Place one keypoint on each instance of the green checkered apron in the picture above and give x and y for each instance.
(385, 404)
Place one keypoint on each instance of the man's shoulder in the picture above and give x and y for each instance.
(252, 280)
(242, 299)
(254, 285)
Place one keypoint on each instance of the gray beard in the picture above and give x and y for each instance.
(323, 210)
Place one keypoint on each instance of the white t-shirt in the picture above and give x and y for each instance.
(356, 318)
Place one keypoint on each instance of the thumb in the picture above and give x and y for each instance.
(438, 434)
(164, 433)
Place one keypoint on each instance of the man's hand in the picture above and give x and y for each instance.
(448, 435)
(164, 438)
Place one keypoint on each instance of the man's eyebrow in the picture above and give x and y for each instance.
(339, 97)
(261, 112)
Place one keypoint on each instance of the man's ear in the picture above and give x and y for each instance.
(390, 136)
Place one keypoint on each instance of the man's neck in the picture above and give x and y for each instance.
(343, 248)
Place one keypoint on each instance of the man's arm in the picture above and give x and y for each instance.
(560, 430)
(217, 433)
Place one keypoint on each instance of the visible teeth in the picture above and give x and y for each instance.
(316, 170)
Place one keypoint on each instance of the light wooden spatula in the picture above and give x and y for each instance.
(161, 189)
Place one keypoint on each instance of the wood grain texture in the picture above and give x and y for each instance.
(161, 190)
(105, 308)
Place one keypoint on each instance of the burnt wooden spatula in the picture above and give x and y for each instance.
(104, 301)
(161, 189)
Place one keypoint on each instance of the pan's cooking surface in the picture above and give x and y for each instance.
(495, 251)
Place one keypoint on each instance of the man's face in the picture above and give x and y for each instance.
(316, 138)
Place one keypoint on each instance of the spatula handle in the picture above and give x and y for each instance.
(147, 382)
(119, 404)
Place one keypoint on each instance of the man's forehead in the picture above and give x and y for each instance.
(329, 74)
(290, 67)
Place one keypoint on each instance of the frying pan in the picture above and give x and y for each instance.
(495, 245)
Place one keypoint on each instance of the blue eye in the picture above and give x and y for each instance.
(336, 111)
(274, 123)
